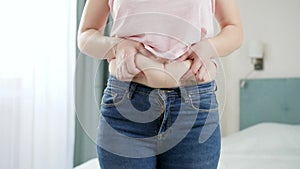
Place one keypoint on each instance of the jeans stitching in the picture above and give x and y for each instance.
(114, 96)
(203, 110)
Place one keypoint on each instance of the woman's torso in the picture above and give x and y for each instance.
(166, 28)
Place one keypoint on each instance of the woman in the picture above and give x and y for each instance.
(159, 109)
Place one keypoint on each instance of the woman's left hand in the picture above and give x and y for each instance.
(202, 69)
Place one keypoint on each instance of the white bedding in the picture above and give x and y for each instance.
(91, 164)
(263, 146)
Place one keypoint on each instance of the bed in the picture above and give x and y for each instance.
(90, 164)
(270, 128)
(262, 146)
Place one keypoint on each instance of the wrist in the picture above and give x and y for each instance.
(113, 43)
(205, 49)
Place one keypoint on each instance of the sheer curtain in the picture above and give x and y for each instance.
(90, 80)
(37, 63)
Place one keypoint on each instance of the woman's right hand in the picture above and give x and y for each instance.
(124, 53)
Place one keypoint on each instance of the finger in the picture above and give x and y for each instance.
(125, 75)
(191, 72)
(193, 69)
(139, 46)
(120, 57)
(146, 52)
(119, 73)
(188, 75)
(118, 66)
(206, 77)
(202, 73)
(184, 56)
(209, 72)
(131, 66)
(196, 65)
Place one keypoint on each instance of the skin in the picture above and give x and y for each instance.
(92, 42)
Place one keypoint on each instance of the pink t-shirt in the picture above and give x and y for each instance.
(167, 28)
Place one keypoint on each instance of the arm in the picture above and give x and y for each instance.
(231, 35)
(90, 38)
(92, 42)
(229, 39)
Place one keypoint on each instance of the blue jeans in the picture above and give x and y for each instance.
(148, 128)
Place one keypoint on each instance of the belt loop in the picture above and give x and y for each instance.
(131, 90)
(216, 86)
(184, 94)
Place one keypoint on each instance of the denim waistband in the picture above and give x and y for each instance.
(130, 86)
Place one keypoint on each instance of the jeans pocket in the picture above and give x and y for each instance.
(204, 102)
(113, 96)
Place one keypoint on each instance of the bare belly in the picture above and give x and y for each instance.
(156, 74)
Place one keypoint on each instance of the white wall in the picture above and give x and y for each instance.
(277, 24)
